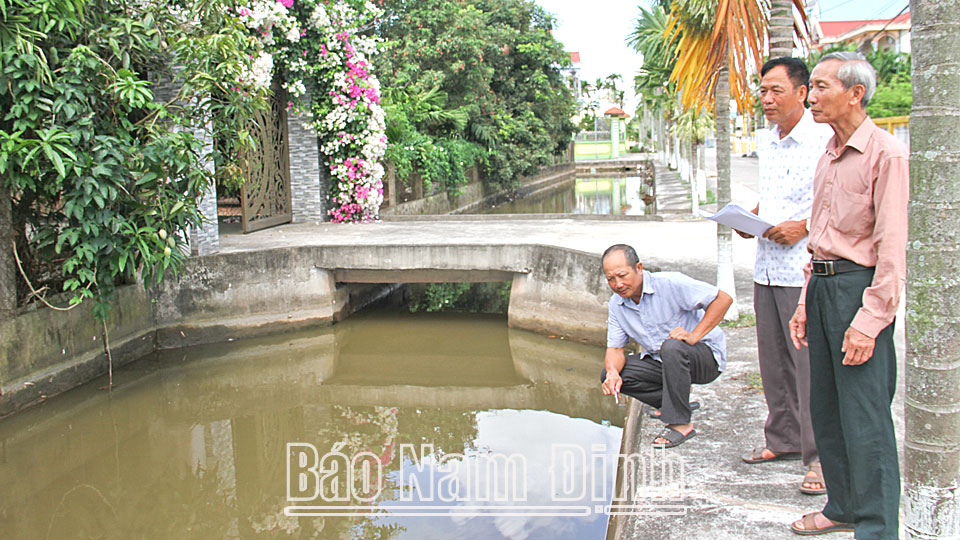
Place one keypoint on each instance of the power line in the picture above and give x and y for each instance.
(822, 11)
(882, 10)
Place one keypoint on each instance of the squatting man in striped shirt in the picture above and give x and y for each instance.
(674, 318)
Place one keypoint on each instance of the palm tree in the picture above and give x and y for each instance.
(651, 82)
(931, 486)
(718, 41)
(781, 28)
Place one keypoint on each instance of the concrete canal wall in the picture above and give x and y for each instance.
(476, 194)
(226, 296)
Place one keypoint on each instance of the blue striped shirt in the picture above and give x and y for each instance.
(669, 300)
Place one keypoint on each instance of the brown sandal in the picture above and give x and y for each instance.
(814, 476)
(809, 526)
(756, 456)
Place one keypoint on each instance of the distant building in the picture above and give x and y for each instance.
(573, 74)
(868, 35)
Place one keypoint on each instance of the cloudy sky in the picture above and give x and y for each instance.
(597, 29)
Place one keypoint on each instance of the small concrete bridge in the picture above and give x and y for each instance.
(313, 274)
(307, 274)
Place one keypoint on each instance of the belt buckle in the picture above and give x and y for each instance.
(824, 268)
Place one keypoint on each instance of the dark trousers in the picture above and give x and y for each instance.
(785, 372)
(850, 408)
(648, 380)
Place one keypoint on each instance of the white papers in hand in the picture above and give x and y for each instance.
(736, 217)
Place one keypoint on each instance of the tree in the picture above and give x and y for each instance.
(781, 28)
(8, 274)
(651, 82)
(100, 178)
(496, 60)
(931, 486)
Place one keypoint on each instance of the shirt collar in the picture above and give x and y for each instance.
(799, 132)
(647, 288)
(859, 139)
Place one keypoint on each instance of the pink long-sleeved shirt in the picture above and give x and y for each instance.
(860, 195)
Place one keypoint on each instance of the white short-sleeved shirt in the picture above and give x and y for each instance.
(669, 300)
(786, 194)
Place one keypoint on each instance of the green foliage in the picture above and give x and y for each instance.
(415, 127)
(693, 127)
(493, 61)
(696, 15)
(102, 180)
(648, 38)
(894, 98)
(460, 297)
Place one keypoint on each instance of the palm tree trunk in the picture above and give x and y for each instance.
(725, 279)
(8, 276)
(692, 176)
(931, 486)
(781, 28)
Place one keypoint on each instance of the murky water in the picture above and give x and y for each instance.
(391, 415)
(622, 196)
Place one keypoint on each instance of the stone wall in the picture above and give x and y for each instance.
(45, 352)
(308, 179)
(474, 194)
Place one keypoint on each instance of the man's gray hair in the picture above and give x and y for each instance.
(629, 254)
(854, 70)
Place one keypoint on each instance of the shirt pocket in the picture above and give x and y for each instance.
(852, 212)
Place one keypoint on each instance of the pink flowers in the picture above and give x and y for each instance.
(286, 3)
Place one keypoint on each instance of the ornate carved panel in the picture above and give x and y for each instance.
(265, 197)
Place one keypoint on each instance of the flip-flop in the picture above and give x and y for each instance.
(817, 478)
(655, 413)
(756, 456)
(675, 437)
(810, 526)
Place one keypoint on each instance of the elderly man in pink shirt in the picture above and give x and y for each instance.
(858, 236)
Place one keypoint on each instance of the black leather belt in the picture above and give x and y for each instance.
(839, 266)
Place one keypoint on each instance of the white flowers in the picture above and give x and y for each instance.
(261, 73)
(293, 34)
(264, 16)
(324, 47)
(319, 18)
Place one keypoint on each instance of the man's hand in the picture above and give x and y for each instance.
(787, 233)
(798, 327)
(611, 385)
(683, 335)
(858, 346)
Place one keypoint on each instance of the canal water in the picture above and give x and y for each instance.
(615, 195)
(385, 426)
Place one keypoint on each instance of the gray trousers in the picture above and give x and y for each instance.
(648, 380)
(785, 372)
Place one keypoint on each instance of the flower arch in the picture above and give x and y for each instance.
(320, 44)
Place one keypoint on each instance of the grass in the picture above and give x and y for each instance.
(750, 380)
(743, 321)
(753, 381)
(711, 197)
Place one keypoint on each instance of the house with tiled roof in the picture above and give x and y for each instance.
(872, 34)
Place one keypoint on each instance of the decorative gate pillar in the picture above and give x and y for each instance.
(309, 178)
(204, 240)
(615, 115)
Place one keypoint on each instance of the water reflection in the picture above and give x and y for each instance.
(622, 196)
(192, 443)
